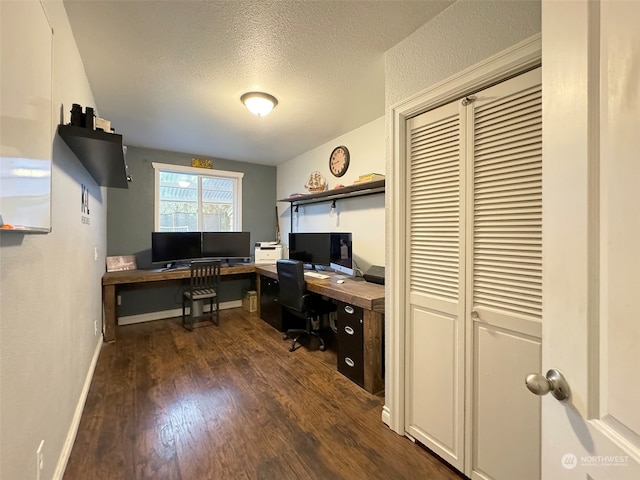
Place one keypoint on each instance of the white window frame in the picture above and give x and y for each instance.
(236, 177)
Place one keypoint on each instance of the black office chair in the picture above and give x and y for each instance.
(295, 299)
(203, 285)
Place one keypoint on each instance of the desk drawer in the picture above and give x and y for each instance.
(350, 337)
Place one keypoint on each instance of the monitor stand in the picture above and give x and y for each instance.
(323, 268)
(177, 265)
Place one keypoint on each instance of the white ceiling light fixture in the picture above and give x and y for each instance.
(259, 103)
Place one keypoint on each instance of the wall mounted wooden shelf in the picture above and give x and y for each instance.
(101, 154)
(358, 190)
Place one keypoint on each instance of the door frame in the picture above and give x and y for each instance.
(507, 63)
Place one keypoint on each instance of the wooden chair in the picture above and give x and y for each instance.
(203, 285)
(293, 296)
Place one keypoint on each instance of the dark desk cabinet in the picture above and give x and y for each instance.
(359, 323)
(270, 311)
(350, 326)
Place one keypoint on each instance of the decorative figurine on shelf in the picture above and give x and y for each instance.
(316, 183)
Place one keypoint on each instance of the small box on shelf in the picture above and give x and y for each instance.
(102, 124)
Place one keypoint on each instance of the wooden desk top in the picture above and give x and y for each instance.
(363, 294)
(142, 276)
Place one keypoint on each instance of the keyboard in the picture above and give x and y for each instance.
(315, 275)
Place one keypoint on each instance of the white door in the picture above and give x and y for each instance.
(591, 232)
(435, 329)
(504, 278)
(475, 275)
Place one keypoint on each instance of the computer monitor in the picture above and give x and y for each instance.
(313, 249)
(226, 245)
(342, 253)
(171, 247)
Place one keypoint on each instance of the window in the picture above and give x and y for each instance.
(191, 199)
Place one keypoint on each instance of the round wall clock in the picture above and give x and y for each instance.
(339, 161)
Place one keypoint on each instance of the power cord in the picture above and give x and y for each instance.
(357, 271)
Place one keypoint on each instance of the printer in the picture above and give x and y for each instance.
(268, 252)
(375, 274)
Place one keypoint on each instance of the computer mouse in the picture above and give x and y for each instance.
(339, 281)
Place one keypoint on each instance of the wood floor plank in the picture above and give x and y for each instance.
(231, 402)
(156, 455)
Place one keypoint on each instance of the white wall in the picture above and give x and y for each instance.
(50, 294)
(462, 35)
(362, 216)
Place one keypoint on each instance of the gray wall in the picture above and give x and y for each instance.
(50, 289)
(130, 214)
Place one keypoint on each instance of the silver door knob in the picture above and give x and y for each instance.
(554, 382)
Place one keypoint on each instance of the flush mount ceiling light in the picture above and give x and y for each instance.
(259, 103)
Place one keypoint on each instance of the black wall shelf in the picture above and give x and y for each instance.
(101, 154)
(358, 190)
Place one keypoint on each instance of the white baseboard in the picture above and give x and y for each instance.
(77, 415)
(161, 315)
(386, 416)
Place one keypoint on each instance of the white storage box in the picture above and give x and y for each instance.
(268, 252)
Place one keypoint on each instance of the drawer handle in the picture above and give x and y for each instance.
(349, 309)
(349, 330)
(349, 362)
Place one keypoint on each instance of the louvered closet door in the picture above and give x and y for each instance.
(435, 332)
(504, 277)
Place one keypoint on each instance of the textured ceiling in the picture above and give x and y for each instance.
(169, 74)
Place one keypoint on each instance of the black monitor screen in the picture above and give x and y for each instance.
(226, 245)
(310, 248)
(175, 246)
(342, 253)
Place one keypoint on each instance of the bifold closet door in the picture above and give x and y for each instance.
(474, 280)
(434, 395)
(504, 278)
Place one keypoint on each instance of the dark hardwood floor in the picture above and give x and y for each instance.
(231, 402)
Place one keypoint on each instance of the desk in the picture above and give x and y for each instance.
(368, 296)
(111, 281)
